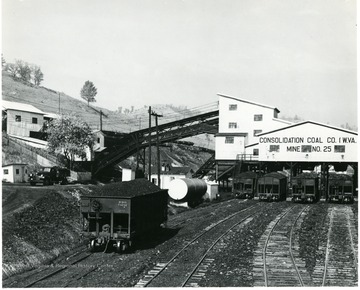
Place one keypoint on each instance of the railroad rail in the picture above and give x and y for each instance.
(340, 267)
(165, 268)
(73, 260)
(274, 262)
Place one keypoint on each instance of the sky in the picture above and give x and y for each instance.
(296, 55)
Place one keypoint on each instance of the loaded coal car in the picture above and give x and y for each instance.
(272, 187)
(114, 215)
(244, 185)
(340, 188)
(305, 187)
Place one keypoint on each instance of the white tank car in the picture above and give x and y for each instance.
(187, 190)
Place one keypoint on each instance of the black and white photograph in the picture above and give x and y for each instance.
(179, 143)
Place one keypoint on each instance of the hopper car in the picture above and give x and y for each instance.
(340, 188)
(305, 187)
(244, 185)
(114, 215)
(272, 187)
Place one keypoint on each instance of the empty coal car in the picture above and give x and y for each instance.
(272, 187)
(244, 185)
(115, 214)
(340, 188)
(305, 187)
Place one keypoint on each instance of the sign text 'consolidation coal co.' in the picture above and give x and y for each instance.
(306, 143)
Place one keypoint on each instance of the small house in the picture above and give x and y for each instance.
(19, 119)
(15, 172)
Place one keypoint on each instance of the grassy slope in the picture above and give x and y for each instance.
(47, 100)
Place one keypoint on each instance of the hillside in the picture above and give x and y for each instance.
(47, 100)
(129, 119)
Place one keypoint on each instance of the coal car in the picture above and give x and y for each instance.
(114, 215)
(305, 187)
(272, 187)
(244, 185)
(340, 188)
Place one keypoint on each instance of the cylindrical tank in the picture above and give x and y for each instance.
(186, 189)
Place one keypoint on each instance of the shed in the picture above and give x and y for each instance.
(170, 173)
(15, 172)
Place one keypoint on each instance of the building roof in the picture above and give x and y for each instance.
(177, 171)
(230, 134)
(6, 105)
(10, 164)
(249, 102)
(111, 133)
(127, 189)
(308, 122)
(52, 116)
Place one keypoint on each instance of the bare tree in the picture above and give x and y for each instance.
(88, 92)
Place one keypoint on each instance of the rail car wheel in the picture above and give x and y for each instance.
(92, 246)
(118, 247)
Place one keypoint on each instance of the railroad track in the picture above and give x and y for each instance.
(190, 262)
(56, 269)
(274, 260)
(341, 267)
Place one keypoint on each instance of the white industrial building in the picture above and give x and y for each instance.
(240, 121)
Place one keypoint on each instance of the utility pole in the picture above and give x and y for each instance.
(157, 145)
(59, 103)
(149, 171)
(101, 120)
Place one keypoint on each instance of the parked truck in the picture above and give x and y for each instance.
(49, 176)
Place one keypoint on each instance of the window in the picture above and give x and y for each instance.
(232, 125)
(34, 120)
(17, 171)
(229, 140)
(256, 152)
(339, 148)
(258, 117)
(98, 140)
(257, 132)
(274, 148)
(17, 118)
(232, 107)
(305, 148)
(6, 171)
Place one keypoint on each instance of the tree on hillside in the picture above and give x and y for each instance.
(88, 92)
(12, 69)
(23, 70)
(37, 75)
(3, 62)
(70, 136)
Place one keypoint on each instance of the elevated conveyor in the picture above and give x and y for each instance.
(132, 142)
